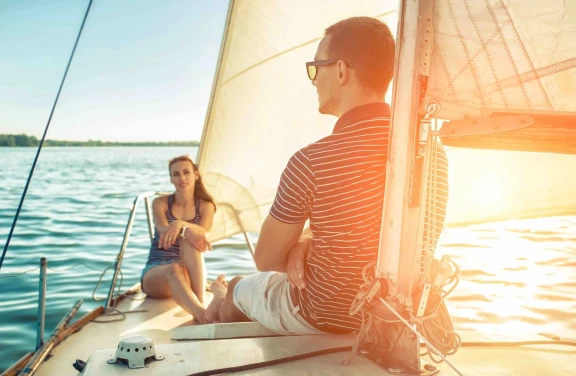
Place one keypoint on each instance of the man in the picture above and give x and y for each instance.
(337, 183)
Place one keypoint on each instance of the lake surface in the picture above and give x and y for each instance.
(515, 276)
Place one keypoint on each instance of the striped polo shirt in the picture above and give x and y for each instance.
(338, 184)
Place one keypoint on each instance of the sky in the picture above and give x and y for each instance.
(142, 71)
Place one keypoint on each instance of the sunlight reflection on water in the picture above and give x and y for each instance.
(515, 276)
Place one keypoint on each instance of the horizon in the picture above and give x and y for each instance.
(142, 71)
(92, 140)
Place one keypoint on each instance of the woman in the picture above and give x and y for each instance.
(175, 266)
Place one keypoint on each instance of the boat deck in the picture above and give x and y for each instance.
(98, 342)
(155, 319)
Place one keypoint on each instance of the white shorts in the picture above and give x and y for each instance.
(265, 298)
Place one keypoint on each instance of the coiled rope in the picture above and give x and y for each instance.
(437, 327)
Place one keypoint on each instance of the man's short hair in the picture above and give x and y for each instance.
(367, 43)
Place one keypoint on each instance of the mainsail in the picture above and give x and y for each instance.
(503, 56)
(263, 107)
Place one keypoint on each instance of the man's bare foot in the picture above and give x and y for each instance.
(219, 288)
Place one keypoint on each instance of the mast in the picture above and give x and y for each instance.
(395, 348)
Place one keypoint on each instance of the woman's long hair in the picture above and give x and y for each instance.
(199, 189)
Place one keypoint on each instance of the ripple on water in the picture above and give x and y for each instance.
(466, 298)
(513, 275)
(517, 268)
(473, 273)
(464, 245)
(558, 261)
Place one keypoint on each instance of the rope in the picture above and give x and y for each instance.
(115, 310)
(43, 138)
(358, 303)
(440, 333)
(348, 348)
(100, 281)
(270, 362)
(435, 326)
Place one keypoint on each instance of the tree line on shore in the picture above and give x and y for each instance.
(25, 140)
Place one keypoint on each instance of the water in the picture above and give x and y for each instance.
(517, 276)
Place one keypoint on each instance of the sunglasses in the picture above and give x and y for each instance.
(312, 66)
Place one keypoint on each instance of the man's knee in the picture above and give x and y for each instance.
(231, 285)
(228, 310)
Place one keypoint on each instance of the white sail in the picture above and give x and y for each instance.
(263, 107)
(503, 56)
(507, 56)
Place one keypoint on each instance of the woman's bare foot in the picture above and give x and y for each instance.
(200, 318)
(219, 288)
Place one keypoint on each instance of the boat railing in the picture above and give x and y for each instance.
(32, 360)
(242, 229)
(118, 262)
(146, 198)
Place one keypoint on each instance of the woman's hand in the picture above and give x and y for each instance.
(196, 236)
(169, 236)
(295, 263)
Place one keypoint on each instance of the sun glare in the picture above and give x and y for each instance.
(487, 190)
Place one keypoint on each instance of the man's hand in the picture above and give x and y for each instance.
(295, 264)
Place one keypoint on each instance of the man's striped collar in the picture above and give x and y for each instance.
(366, 111)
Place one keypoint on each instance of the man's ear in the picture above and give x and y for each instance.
(343, 72)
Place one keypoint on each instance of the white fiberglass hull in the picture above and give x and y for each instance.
(97, 343)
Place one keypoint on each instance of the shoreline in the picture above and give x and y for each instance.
(23, 140)
(106, 145)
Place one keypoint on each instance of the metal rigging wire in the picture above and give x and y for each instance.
(43, 137)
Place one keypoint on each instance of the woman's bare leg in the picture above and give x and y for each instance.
(195, 266)
(165, 281)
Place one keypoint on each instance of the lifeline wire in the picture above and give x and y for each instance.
(14, 275)
(43, 138)
(107, 314)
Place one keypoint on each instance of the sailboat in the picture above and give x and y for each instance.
(487, 68)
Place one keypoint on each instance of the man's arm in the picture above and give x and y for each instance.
(274, 244)
(297, 259)
(292, 207)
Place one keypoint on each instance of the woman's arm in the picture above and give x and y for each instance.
(196, 234)
(159, 207)
(167, 238)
